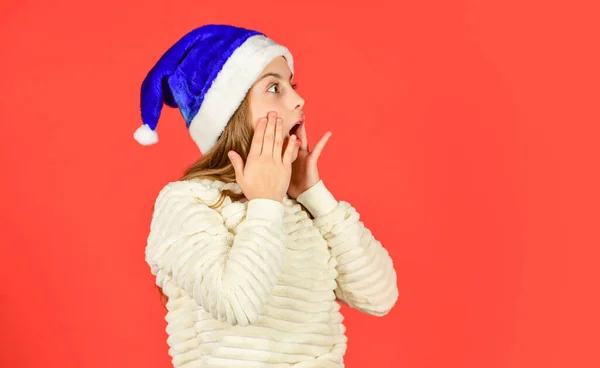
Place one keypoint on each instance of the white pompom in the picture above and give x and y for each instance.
(145, 136)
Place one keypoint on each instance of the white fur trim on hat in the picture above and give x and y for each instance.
(230, 87)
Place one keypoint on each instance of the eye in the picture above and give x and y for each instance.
(295, 85)
(274, 88)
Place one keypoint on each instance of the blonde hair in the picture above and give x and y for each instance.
(215, 164)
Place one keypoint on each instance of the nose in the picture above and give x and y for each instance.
(297, 101)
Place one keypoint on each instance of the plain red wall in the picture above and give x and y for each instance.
(464, 132)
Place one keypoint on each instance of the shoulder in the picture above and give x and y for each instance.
(183, 208)
(199, 190)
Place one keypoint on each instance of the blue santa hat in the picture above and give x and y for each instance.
(206, 74)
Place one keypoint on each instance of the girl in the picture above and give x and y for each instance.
(250, 248)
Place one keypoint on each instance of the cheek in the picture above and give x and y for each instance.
(258, 112)
(260, 108)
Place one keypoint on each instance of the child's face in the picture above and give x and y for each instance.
(273, 91)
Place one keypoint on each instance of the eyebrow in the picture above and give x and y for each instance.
(276, 75)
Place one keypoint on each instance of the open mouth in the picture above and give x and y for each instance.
(296, 128)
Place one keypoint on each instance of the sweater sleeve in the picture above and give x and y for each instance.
(366, 276)
(229, 272)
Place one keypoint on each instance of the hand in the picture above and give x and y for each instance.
(305, 172)
(267, 172)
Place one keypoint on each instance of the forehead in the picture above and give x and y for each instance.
(279, 66)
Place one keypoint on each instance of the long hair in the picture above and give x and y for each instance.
(215, 163)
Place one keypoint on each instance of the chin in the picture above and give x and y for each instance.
(286, 141)
(285, 144)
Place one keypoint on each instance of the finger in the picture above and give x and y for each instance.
(289, 150)
(238, 164)
(257, 140)
(303, 136)
(316, 152)
(278, 139)
(296, 148)
(269, 134)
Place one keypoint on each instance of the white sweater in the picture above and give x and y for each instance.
(254, 283)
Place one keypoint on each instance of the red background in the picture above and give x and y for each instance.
(464, 132)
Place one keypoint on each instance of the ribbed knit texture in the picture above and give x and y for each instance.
(254, 283)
